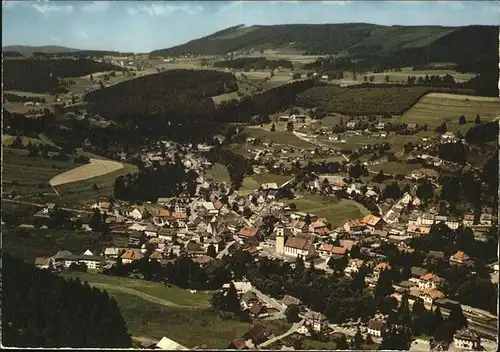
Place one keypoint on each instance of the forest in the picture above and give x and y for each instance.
(255, 63)
(175, 95)
(81, 54)
(41, 309)
(42, 76)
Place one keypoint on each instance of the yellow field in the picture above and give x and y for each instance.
(436, 108)
(95, 168)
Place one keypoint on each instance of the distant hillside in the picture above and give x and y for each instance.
(472, 47)
(29, 50)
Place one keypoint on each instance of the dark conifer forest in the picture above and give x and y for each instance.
(41, 309)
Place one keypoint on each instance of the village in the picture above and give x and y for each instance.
(216, 222)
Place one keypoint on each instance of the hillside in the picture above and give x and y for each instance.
(41, 76)
(26, 50)
(373, 44)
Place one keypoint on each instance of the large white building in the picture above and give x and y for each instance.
(294, 246)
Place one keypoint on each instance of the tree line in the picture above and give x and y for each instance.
(42, 76)
(255, 63)
(41, 309)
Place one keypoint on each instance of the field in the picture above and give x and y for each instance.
(436, 108)
(83, 191)
(362, 101)
(277, 137)
(95, 168)
(29, 244)
(192, 325)
(7, 140)
(397, 77)
(395, 168)
(218, 172)
(253, 182)
(28, 176)
(336, 211)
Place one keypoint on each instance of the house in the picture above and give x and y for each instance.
(327, 250)
(467, 339)
(379, 268)
(416, 230)
(435, 255)
(427, 219)
(43, 262)
(49, 207)
(102, 205)
(411, 126)
(317, 321)
(429, 281)
(136, 212)
(111, 252)
(209, 207)
(240, 344)
(249, 232)
(287, 301)
(156, 255)
(248, 299)
(452, 223)
(353, 266)
(167, 344)
(241, 286)
(468, 220)
(449, 136)
(256, 334)
(351, 125)
(430, 295)
(381, 125)
(416, 273)
(91, 261)
(151, 230)
(258, 310)
(59, 257)
(373, 222)
(130, 256)
(320, 228)
(299, 246)
(266, 186)
(166, 234)
(460, 258)
(354, 226)
(485, 220)
(376, 327)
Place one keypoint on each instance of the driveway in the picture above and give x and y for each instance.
(290, 331)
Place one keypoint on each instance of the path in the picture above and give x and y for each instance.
(292, 330)
(96, 167)
(225, 250)
(287, 182)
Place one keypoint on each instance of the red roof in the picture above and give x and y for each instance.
(333, 249)
(218, 205)
(371, 220)
(248, 231)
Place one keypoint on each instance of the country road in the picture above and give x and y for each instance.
(292, 330)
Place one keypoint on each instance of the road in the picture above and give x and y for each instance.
(292, 330)
(270, 301)
(43, 205)
(225, 250)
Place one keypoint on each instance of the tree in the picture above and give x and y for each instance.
(387, 79)
(396, 338)
(369, 339)
(289, 126)
(365, 78)
(442, 128)
(341, 343)
(292, 313)
(477, 121)
(372, 78)
(273, 127)
(357, 340)
(211, 251)
(461, 120)
(96, 221)
(456, 319)
(17, 143)
(307, 219)
(383, 287)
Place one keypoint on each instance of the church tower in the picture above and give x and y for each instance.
(280, 239)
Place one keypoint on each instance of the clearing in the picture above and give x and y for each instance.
(251, 183)
(336, 211)
(395, 168)
(190, 326)
(435, 108)
(277, 137)
(96, 167)
(218, 172)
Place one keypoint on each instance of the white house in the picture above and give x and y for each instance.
(136, 213)
(316, 321)
(376, 327)
(485, 220)
(452, 223)
(299, 246)
(468, 220)
(467, 339)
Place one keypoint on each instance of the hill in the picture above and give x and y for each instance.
(374, 45)
(27, 50)
(41, 76)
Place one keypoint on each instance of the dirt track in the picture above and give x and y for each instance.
(95, 168)
(463, 97)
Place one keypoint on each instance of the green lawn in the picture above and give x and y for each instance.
(394, 167)
(275, 327)
(336, 211)
(253, 182)
(7, 140)
(82, 192)
(434, 109)
(219, 172)
(278, 137)
(190, 326)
